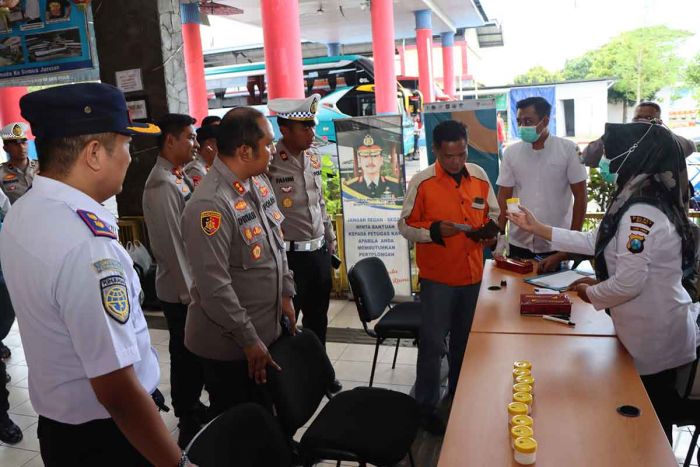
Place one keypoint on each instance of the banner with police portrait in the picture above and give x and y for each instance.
(371, 161)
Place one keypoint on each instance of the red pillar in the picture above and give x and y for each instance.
(282, 41)
(448, 64)
(424, 44)
(383, 51)
(194, 61)
(9, 105)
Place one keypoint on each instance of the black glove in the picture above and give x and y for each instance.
(485, 232)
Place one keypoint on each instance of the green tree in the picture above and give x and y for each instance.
(538, 75)
(643, 61)
(579, 67)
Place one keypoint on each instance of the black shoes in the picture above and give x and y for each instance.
(335, 387)
(9, 432)
(433, 424)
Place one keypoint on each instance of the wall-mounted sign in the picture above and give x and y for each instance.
(129, 80)
(40, 39)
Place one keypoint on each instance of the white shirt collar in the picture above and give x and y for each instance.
(76, 199)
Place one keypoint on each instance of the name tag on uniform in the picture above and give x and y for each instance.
(478, 203)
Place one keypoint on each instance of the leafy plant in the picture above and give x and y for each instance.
(331, 186)
(599, 190)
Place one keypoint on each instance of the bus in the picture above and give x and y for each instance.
(345, 83)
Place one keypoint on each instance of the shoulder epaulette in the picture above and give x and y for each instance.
(96, 225)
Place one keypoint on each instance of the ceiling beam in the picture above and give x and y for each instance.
(437, 11)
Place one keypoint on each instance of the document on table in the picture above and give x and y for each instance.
(558, 281)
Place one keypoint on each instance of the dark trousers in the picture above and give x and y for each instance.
(228, 385)
(445, 310)
(524, 253)
(312, 277)
(186, 372)
(97, 442)
(4, 393)
(661, 388)
(7, 317)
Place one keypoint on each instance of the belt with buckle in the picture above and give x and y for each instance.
(306, 245)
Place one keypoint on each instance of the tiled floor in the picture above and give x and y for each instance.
(352, 363)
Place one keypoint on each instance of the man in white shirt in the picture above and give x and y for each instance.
(544, 171)
(92, 370)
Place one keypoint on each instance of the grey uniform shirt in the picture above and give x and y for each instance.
(15, 181)
(164, 197)
(296, 179)
(196, 170)
(234, 245)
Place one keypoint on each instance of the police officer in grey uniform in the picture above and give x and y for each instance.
(198, 168)
(164, 196)
(242, 286)
(17, 173)
(75, 291)
(295, 173)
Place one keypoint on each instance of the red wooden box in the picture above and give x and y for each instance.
(522, 267)
(534, 304)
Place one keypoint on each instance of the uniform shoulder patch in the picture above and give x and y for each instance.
(96, 225)
(635, 243)
(639, 229)
(210, 221)
(115, 298)
(108, 264)
(642, 220)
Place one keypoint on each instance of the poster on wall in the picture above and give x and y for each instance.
(480, 118)
(371, 160)
(42, 39)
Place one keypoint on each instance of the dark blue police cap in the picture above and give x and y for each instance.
(80, 109)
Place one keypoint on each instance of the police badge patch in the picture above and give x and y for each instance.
(210, 222)
(635, 244)
(115, 298)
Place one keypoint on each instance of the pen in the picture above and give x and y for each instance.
(558, 320)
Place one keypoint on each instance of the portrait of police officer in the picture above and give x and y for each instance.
(17, 173)
(295, 173)
(166, 191)
(92, 371)
(242, 286)
(371, 183)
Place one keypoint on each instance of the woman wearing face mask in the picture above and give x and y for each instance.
(641, 248)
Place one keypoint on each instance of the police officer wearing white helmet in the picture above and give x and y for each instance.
(295, 173)
(92, 370)
(17, 173)
(644, 249)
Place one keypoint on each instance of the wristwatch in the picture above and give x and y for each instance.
(184, 461)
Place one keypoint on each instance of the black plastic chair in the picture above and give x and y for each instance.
(246, 435)
(373, 291)
(365, 425)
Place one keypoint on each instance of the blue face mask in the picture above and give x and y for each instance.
(604, 169)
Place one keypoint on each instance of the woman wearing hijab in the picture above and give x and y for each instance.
(643, 248)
